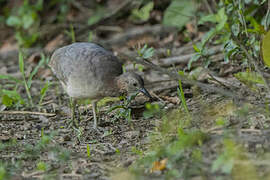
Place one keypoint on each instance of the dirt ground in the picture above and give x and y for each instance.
(38, 142)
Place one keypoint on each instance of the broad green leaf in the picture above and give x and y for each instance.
(28, 20)
(10, 98)
(179, 13)
(7, 101)
(144, 12)
(14, 21)
(266, 49)
(209, 18)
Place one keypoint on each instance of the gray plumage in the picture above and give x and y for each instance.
(87, 70)
(89, 67)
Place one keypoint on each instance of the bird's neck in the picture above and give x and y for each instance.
(121, 84)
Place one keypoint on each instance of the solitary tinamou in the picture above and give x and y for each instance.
(87, 70)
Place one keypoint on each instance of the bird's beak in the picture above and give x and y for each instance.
(145, 92)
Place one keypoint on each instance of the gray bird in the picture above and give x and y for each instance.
(87, 70)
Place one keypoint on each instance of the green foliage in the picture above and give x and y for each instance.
(100, 12)
(179, 13)
(136, 151)
(43, 92)
(42, 166)
(266, 49)
(88, 151)
(25, 20)
(180, 149)
(225, 161)
(3, 173)
(34, 153)
(181, 94)
(26, 85)
(71, 34)
(250, 79)
(220, 20)
(234, 20)
(143, 13)
(145, 52)
(152, 110)
(10, 96)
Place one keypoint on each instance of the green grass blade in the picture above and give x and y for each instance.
(88, 151)
(11, 78)
(181, 95)
(34, 72)
(21, 66)
(21, 63)
(43, 92)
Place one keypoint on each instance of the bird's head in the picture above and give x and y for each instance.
(130, 83)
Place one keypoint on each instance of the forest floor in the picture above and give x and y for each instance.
(219, 137)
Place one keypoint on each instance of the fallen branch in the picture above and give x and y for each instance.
(27, 113)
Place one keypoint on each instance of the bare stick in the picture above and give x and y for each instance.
(27, 113)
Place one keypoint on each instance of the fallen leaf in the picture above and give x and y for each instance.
(55, 43)
(159, 165)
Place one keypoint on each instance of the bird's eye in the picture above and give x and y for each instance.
(134, 84)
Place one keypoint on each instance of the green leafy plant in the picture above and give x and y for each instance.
(3, 173)
(145, 52)
(250, 78)
(10, 95)
(25, 20)
(179, 13)
(220, 20)
(142, 13)
(26, 85)
(42, 166)
(152, 110)
(234, 25)
(71, 34)
(124, 110)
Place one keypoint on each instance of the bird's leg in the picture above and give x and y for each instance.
(74, 121)
(94, 108)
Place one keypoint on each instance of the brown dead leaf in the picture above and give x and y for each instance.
(174, 100)
(4, 138)
(140, 41)
(7, 46)
(55, 43)
(34, 58)
(43, 73)
(159, 165)
(190, 28)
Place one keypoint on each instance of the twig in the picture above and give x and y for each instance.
(28, 112)
(135, 32)
(121, 8)
(267, 17)
(208, 7)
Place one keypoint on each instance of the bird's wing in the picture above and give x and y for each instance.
(85, 60)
